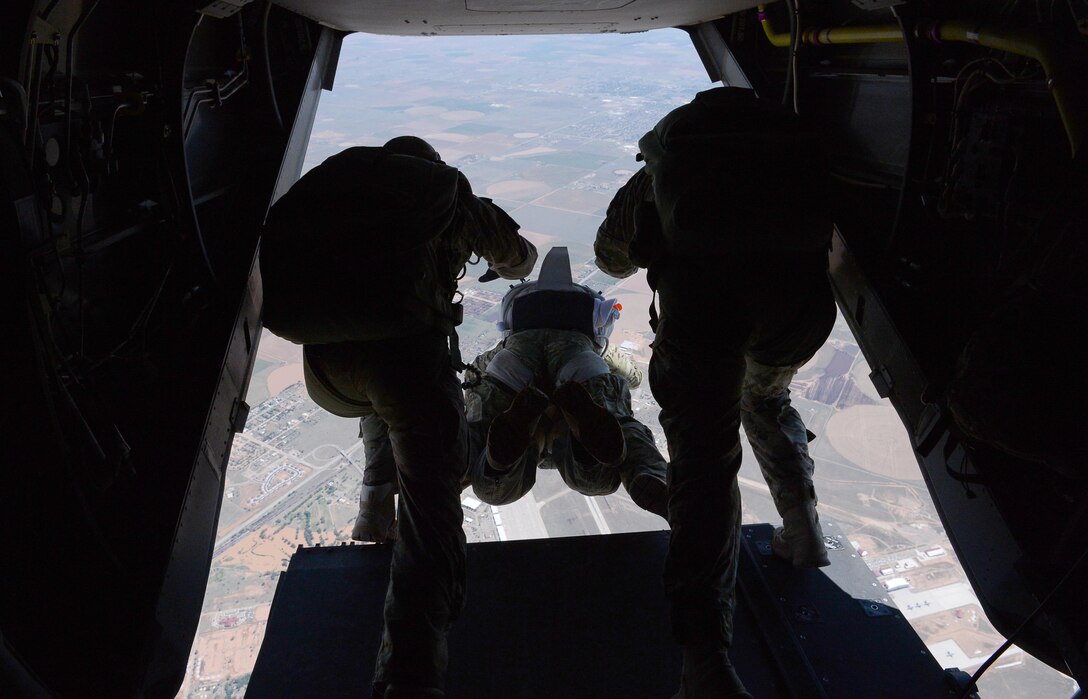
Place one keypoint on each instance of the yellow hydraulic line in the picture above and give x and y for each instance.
(1065, 86)
(876, 34)
(1070, 93)
(779, 40)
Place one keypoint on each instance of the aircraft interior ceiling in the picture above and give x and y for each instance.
(453, 17)
(141, 145)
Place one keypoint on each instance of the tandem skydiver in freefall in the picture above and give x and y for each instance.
(546, 397)
(745, 302)
(555, 333)
(360, 261)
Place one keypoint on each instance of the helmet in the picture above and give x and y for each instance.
(413, 146)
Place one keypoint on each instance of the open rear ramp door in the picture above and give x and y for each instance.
(586, 617)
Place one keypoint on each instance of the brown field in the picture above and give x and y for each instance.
(229, 652)
(866, 543)
(966, 626)
(267, 555)
(275, 349)
(542, 241)
(261, 555)
(448, 137)
(245, 492)
(283, 377)
(536, 150)
(519, 190)
(636, 283)
(460, 115)
(634, 294)
(872, 437)
(584, 202)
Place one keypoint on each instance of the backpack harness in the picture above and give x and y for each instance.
(555, 301)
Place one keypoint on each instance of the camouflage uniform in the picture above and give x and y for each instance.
(546, 355)
(732, 333)
(409, 383)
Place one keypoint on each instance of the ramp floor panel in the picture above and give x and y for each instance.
(586, 617)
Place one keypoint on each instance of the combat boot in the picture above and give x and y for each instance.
(377, 520)
(800, 539)
(511, 431)
(709, 674)
(592, 425)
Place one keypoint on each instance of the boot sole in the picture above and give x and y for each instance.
(591, 424)
(511, 431)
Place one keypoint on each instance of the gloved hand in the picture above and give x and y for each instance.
(489, 275)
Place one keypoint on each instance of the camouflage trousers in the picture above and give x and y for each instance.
(410, 385)
(380, 467)
(546, 358)
(710, 373)
(778, 436)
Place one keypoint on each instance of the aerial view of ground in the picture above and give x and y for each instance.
(547, 127)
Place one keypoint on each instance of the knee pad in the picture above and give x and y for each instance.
(766, 388)
(581, 367)
(507, 368)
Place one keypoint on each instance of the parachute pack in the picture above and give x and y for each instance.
(350, 252)
(731, 172)
(555, 301)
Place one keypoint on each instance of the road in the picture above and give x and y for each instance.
(290, 499)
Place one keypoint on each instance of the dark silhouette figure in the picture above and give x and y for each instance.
(745, 302)
(385, 233)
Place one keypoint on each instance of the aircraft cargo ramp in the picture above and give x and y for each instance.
(586, 617)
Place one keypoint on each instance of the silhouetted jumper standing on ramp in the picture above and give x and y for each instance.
(729, 218)
(360, 260)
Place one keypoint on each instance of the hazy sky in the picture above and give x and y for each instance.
(382, 80)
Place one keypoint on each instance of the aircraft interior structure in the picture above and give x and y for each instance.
(142, 144)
